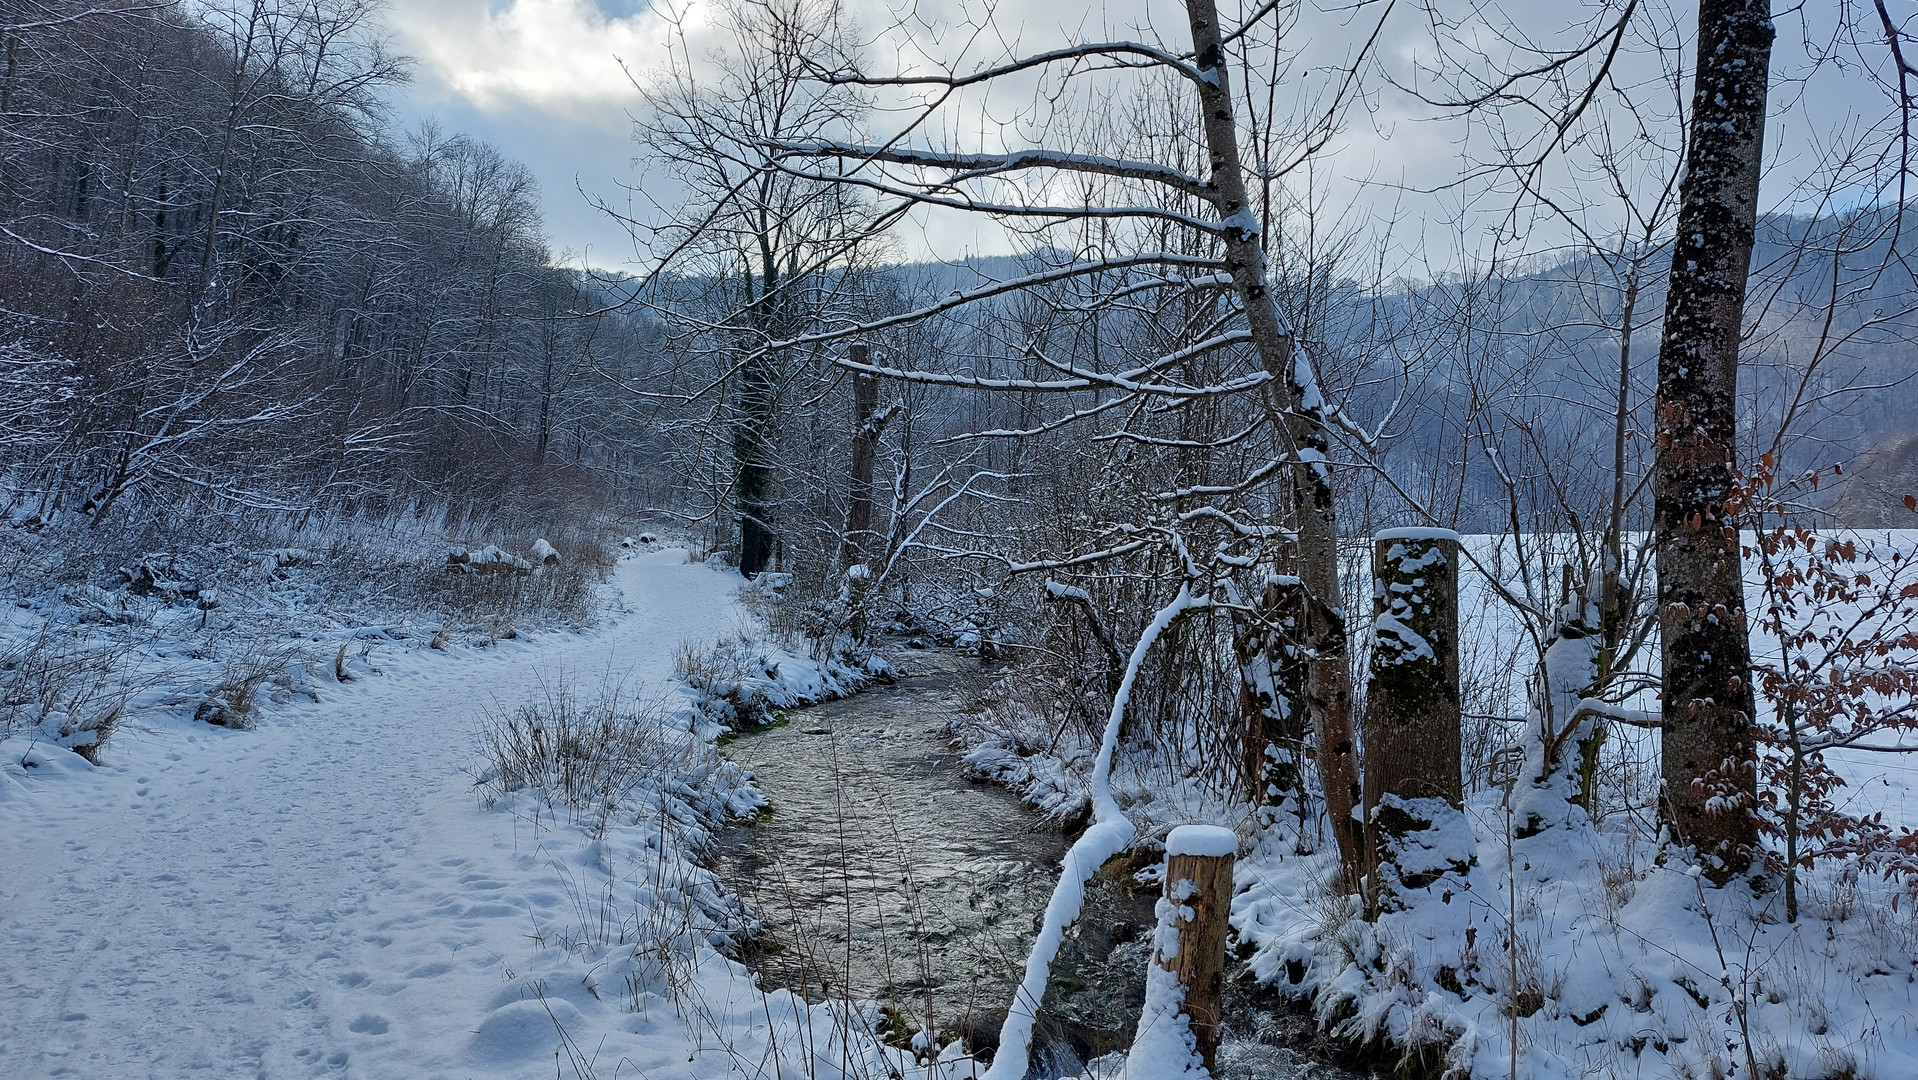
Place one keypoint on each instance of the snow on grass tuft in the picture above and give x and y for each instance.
(638, 789)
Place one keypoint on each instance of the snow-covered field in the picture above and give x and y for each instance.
(327, 895)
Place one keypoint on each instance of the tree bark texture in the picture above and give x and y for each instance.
(1709, 753)
(1269, 647)
(1298, 414)
(754, 419)
(752, 457)
(1412, 739)
(858, 539)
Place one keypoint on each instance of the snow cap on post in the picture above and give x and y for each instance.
(1211, 841)
(1415, 533)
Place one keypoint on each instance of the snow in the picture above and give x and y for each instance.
(1165, 1047)
(1417, 534)
(1211, 841)
(325, 896)
(1244, 222)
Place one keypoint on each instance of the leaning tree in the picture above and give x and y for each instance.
(1180, 232)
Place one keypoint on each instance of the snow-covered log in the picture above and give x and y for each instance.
(488, 560)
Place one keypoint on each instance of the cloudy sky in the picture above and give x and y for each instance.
(548, 82)
(540, 79)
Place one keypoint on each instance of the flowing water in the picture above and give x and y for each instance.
(882, 872)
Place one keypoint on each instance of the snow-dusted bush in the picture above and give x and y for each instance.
(256, 669)
(66, 687)
(740, 678)
(587, 755)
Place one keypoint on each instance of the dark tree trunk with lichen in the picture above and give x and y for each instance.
(855, 545)
(1269, 646)
(755, 415)
(753, 460)
(1411, 725)
(1709, 753)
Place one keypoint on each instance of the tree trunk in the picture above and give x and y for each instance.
(1709, 752)
(1412, 737)
(753, 490)
(753, 426)
(1272, 696)
(858, 539)
(1299, 419)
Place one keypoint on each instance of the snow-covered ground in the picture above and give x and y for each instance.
(1580, 950)
(326, 895)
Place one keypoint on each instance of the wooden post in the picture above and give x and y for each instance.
(1192, 928)
(1412, 736)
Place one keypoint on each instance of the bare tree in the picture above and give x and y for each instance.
(783, 239)
(1709, 752)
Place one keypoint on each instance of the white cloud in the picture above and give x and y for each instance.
(558, 57)
(543, 80)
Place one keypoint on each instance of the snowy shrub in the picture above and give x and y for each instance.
(1010, 741)
(720, 673)
(71, 688)
(565, 591)
(235, 701)
(587, 755)
(741, 679)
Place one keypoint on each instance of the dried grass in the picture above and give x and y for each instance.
(75, 688)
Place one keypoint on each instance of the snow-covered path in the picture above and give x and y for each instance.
(315, 897)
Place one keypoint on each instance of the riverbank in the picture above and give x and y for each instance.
(883, 870)
(325, 896)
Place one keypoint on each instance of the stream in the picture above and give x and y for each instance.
(880, 871)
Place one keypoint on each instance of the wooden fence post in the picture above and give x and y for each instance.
(1187, 975)
(1411, 727)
